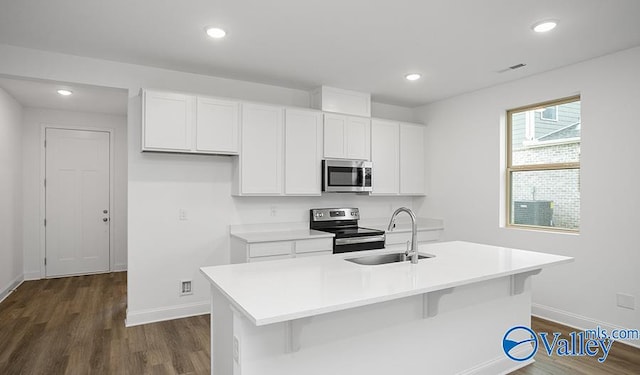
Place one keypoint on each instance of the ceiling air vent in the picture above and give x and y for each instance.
(513, 67)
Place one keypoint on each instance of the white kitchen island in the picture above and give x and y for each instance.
(326, 315)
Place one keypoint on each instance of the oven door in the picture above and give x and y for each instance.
(349, 244)
(343, 176)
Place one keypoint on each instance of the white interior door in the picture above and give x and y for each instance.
(77, 202)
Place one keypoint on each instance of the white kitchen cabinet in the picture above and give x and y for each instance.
(398, 156)
(385, 156)
(247, 252)
(259, 168)
(167, 121)
(217, 123)
(412, 159)
(303, 152)
(174, 122)
(347, 137)
(424, 236)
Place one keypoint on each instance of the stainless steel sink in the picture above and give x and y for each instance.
(373, 260)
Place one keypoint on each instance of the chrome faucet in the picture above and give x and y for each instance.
(413, 251)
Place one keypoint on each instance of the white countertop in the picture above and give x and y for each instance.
(283, 290)
(281, 235)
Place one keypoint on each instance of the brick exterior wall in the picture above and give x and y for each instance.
(562, 187)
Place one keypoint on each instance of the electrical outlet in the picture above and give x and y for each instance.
(185, 288)
(236, 350)
(182, 214)
(273, 211)
(626, 300)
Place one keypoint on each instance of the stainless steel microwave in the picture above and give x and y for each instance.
(346, 176)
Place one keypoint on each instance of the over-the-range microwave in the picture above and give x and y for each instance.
(346, 176)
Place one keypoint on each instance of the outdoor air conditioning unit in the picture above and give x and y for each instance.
(533, 213)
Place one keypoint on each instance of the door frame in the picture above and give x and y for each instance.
(43, 207)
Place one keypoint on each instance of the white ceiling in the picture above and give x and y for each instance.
(43, 94)
(366, 45)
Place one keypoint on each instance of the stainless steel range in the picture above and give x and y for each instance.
(343, 222)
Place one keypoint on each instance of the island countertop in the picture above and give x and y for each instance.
(284, 290)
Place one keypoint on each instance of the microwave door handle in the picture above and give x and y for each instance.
(362, 177)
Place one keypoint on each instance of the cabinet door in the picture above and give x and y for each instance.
(217, 126)
(334, 136)
(385, 157)
(167, 121)
(303, 154)
(358, 141)
(412, 159)
(262, 154)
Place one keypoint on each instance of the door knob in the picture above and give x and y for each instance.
(105, 219)
(105, 211)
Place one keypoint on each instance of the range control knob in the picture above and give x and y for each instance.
(319, 214)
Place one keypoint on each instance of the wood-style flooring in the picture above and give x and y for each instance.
(622, 359)
(75, 325)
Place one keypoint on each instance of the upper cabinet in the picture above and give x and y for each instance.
(281, 151)
(217, 125)
(398, 156)
(303, 152)
(385, 156)
(413, 159)
(173, 122)
(259, 167)
(167, 121)
(346, 137)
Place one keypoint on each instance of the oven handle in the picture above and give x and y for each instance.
(357, 240)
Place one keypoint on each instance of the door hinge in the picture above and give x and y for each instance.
(45, 222)
(45, 261)
(45, 143)
(45, 182)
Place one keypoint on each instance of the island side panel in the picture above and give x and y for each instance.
(465, 335)
(221, 334)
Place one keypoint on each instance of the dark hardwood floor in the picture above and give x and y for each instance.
(75, 325)
(622, 359)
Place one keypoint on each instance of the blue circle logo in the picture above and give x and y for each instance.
(520, 343)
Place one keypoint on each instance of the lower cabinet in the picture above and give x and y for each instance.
(396, 238)
(245, 252)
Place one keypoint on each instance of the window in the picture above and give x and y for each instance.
(549, 113)
(543, 166)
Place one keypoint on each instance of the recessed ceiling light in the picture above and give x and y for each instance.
(413, 76)
(544, 26)
(216, 32)
(65, 92)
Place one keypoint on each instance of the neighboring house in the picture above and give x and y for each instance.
(550, 135)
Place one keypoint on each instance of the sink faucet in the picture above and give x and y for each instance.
(413, 252)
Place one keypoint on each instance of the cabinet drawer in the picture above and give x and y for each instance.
(315, 253)
(270, 248)
(319, 244)
(423, 236)
(265, 259)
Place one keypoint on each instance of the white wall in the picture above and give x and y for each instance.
(467, 184)
(33, 120)
(11, 273)
(161, 249)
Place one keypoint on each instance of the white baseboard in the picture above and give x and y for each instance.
(500, 365)
(33, 275)
(119, 268)
(135, 318)
(13, 284)
(576, 321)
